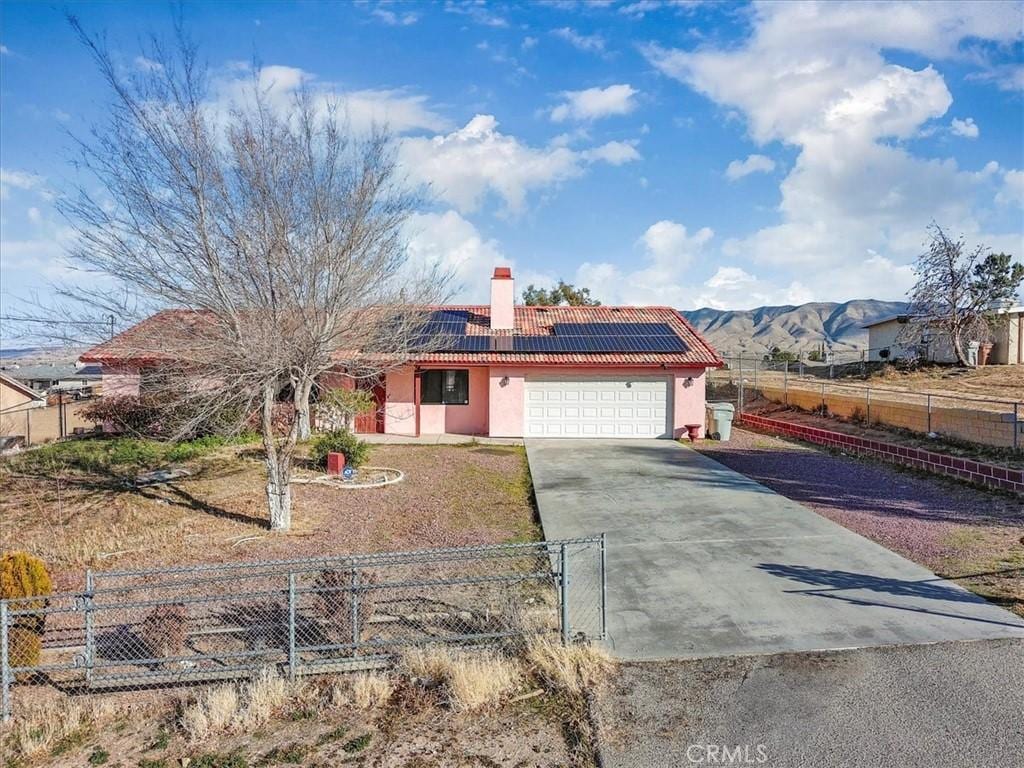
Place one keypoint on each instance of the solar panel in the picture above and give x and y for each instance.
(613, 329)
(445, 331)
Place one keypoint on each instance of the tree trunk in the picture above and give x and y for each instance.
(279, 463)
(301, 398)
(279, 494)
(958, 349)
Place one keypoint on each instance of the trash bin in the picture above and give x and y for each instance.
(720, 420)
(972, 353)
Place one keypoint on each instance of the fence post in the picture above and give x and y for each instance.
(824, 407)
(755, 378)
(90, 629)
(785, 384)
(604, 586)
(929, 401)
(563, 588)
(1016, 427)
(5, 667)
(739, 397)
(867, 395)
(355, 611)
(292, 656)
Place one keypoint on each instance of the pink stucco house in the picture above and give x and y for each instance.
(522, 371)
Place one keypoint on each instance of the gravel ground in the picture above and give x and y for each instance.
(952, 705)
(953, 529)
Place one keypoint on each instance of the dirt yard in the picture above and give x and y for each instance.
(78, 518)
(971, 536)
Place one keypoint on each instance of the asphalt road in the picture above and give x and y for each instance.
(930, 706)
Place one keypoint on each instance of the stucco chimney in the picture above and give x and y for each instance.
(503, 299)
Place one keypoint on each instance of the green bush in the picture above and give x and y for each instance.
(338, 441)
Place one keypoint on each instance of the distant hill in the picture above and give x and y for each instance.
(792, 329)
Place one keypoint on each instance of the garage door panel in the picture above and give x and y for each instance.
(598, 407)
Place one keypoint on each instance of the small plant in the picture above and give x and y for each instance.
(25, 646)
(98, 756)
(234, 759)
(358, 744)
(335, 597)
(339, 407)
(164, 631)
(335, 734)
(25, 578)
(162, 738)
(158, 763)
(338, 441)
(288, 753)
(470, 681)
(570, 668)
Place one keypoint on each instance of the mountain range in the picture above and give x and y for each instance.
(792, 328)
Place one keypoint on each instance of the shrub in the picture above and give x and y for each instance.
(338, 441)
(24, 575)
(25, 646)
(568, 668)
(335, 597)
(124, 413)
(470, 681)
(164, 631)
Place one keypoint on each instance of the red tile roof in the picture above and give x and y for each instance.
(529, 321)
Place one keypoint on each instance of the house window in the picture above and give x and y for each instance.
(445, 387)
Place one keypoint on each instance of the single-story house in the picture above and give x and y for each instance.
(885, 342)
(16, 400)
(64, 376)
(506, 370)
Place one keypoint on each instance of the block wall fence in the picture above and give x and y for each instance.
(916, 458)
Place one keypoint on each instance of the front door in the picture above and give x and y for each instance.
(373, 420)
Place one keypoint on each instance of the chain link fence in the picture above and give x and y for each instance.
(171, 626)
(985, 421)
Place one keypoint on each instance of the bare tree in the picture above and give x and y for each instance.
(959, 292)
(275, 235)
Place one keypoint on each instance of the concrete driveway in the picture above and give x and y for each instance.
(703, 561)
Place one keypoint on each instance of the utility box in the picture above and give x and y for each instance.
(720, 420)
(335, 463)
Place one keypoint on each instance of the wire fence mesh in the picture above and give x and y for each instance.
(171, 626)
(969, 417)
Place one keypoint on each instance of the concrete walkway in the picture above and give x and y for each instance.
(703, 561)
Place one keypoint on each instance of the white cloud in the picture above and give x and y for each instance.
(472, 162)
(393, 19)
(813, 75)
(732, 287)
(966, 128)
(668, 249)
(4, 50)
(399, 109)
(477, 11)
(147, 65)
(588, 43)
(1007, 77)
(737, 169)
(455, 247)
(529, 42)
(594, 103)
(23, 180)
(1012, 191)
(613, 153)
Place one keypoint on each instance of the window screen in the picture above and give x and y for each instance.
(445, 387)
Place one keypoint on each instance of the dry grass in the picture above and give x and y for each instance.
(371, 690)
(452, 496)
(471, 681)
(238, 708)
(570, 668)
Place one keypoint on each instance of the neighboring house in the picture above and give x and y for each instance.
(16, 401)
(886, 336)
(514, 371)
(46, 376)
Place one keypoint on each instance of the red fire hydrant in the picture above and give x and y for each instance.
(335, 463)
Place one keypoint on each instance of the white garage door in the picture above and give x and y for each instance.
(598, 407)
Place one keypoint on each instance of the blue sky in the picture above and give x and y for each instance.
(689, 154)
